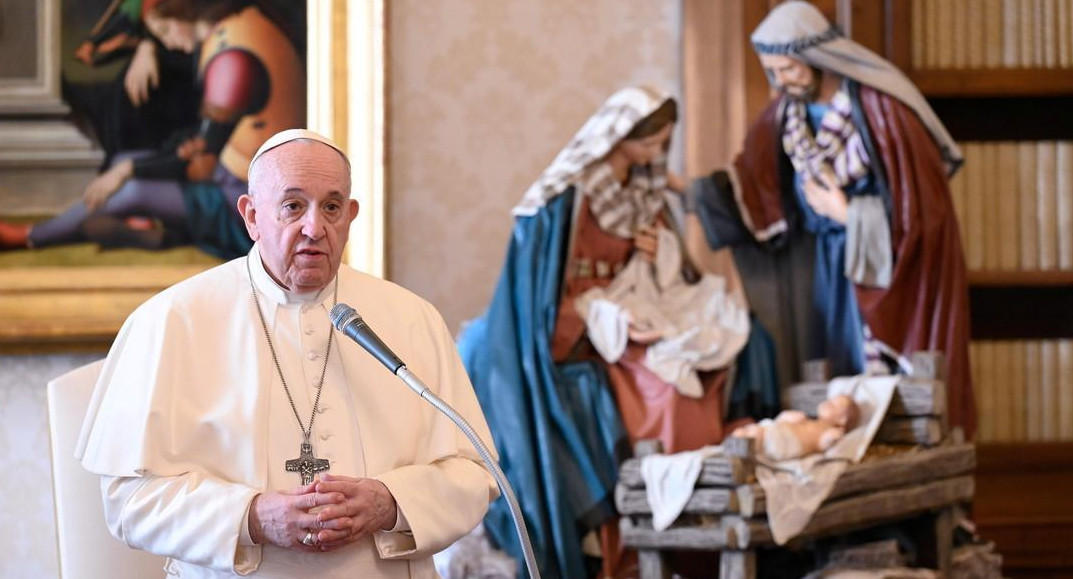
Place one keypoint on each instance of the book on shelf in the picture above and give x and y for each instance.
(983, 376)
(944, 45)
(1026, 156)
(1033, 377)
(1047, 204)
(1048, 35)
(1065, 390)
(1011, 43)
(975, 33)
(1001, 390)
(1014, 205)
(990, 198)
(1064, 14)
(917, 35)
(989, 19)
(1049, 370)
(1064, 201)
(1023, 389)
(1015, 378)
(960, 34)
(932, 32)
(974, 207)
(944, 42)
(1027, 33)
(1008, 203)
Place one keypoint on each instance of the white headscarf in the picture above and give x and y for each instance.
(605, 129)
(798, 29)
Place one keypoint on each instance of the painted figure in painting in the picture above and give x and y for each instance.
(152, 97)
(253, 85)
(839, 212)
(600, 332)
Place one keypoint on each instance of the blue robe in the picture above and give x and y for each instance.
(556, 426)
(837, 327)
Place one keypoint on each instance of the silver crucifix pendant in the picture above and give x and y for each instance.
(306, 464)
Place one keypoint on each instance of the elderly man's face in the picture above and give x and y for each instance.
(299, 211)
(791, 76)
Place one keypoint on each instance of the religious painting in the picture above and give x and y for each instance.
(126, 131)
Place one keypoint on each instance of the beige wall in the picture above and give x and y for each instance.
(482, 94)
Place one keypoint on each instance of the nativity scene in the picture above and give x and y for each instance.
(610, 290)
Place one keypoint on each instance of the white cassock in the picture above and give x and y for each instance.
(189, 421)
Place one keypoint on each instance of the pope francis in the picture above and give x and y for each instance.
(236, 434)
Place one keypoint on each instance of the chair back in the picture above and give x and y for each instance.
(87, 549)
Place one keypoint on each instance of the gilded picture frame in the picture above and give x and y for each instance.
(81, 308)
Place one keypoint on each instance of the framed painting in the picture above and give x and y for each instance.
(95, 82)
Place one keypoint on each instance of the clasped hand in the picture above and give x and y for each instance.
(337, 510)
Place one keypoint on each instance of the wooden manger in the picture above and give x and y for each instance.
(914, 468)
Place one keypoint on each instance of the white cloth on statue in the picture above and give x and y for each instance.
(703, 326)
(669, 481)
(796, 488)
(189, 391)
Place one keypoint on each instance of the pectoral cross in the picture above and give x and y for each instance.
(306, 464)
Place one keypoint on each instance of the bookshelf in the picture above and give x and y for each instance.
(1027, 82)
(996, 89)
(1000, 75)
(1017, 279)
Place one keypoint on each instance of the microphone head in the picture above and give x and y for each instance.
(342, 315)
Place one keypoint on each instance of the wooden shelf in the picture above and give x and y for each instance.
(994, 82)
(1000, 278)
(1023, 503)
(1029, 311)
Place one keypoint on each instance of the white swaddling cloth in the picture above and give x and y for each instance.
(702, 326)
(669, 481)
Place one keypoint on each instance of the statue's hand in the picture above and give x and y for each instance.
(647, 242)
(827, 198)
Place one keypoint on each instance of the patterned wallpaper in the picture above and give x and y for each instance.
(482, 95)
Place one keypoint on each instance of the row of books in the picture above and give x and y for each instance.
(1024, 390)
(1014, 202)
(975, 34)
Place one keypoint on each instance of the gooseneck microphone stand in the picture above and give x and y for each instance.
(346, 320)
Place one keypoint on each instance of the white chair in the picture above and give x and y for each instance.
(87, 550)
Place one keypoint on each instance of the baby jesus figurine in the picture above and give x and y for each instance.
(792, 434)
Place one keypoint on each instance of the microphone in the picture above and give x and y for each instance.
(346, 320)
